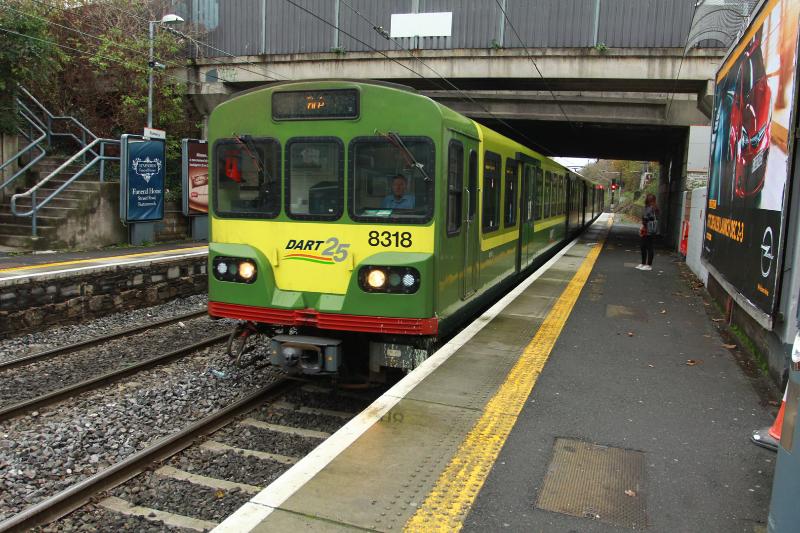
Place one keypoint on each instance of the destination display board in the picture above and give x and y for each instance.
(194, 176)
(751, 154)
(142, 179)
(315, 105)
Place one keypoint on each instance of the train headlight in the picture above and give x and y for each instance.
(247, 270)
(389, 279)
(376, 279)
(235, 269)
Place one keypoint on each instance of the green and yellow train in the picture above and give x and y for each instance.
(365, 211)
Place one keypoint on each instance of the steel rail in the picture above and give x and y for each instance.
(61, 350)
(80, 493)
(104, 379)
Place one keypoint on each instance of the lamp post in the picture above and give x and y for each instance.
(166, 19)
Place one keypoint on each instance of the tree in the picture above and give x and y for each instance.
(27, 56)
(103, 79)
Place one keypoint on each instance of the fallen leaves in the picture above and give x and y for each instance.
(693, 362)
(729, 346)
(630, 493)
(630, 334)
(663, 311)
(717, 319)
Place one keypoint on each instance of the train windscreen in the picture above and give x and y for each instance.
(392, 179)
(246, 178)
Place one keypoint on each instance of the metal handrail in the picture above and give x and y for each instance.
(54, 117)
(31, 193)
(35, 143)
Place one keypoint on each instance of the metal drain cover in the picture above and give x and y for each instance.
(596, 482)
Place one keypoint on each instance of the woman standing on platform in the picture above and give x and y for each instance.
(648, 230)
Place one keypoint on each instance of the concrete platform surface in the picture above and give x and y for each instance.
(594, 397)
(15, 266)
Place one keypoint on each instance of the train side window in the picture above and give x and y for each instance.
(473, 185)
(512, 184)
(455, 186)
(246, 179)
(491, 192)
(548, 186)
(539, 207)
(314, 178)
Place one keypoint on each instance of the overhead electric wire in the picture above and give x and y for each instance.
(385, 35)
(680, 66)
(535, 66)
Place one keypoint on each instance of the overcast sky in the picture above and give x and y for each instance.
(574, 161)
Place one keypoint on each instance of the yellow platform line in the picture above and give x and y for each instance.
(96, 259)
(449, 501)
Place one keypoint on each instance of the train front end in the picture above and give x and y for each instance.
(322, 224)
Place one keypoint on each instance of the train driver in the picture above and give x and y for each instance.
(398, 199)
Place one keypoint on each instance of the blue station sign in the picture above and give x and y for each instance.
(142, 179)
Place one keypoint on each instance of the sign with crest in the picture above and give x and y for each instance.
(142, 179)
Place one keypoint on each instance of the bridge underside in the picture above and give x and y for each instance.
(621, 104)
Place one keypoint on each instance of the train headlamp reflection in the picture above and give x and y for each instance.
(235, 269)
(247, 270)
(376, 279)
(389, 279)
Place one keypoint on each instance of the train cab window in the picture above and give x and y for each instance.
(491, 192)
(246, 178)
(392, 179)
(314, 178)
(512, 184)
(455, 186)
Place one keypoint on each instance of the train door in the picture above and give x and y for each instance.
(471, 235)
(583, 203)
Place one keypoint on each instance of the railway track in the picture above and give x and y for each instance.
(88, 343)
(256, 438)
(53, 396)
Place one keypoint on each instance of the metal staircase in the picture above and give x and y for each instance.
(36, 212)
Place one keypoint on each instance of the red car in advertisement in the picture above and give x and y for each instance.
(751, 116)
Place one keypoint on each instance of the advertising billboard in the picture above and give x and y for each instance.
(195, 177)
(754, 103)
(142, 172)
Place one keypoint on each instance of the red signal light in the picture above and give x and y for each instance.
(613, 186)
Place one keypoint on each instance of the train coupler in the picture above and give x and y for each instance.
(304, 354)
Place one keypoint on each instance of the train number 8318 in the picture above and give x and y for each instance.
(389, 238)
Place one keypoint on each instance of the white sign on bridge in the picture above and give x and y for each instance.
(422, 25)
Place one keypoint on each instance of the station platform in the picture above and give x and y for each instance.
(31, 265)
(594, 397)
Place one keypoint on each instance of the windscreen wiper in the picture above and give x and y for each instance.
(247, 142)
(398, 143)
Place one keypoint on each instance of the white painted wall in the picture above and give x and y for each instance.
(696, 233)
(699, 149)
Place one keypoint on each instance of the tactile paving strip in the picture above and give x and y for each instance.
(595, 482)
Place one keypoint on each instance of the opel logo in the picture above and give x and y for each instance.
(766, 252)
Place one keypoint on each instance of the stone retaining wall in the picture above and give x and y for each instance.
(30, 304)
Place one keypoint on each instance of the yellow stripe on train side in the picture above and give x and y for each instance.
(320, 257)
